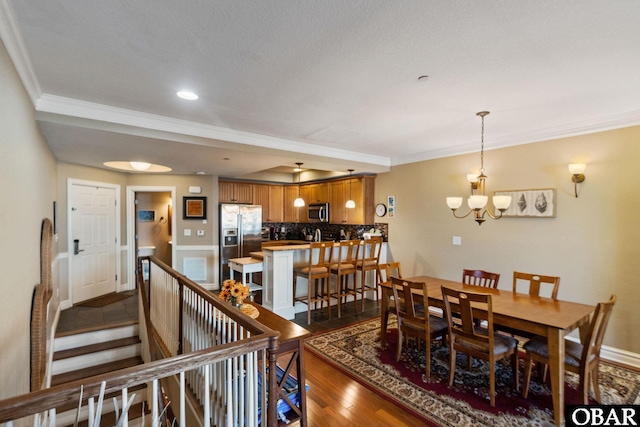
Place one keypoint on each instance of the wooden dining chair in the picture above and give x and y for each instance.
(316, 271)
(369, 260)
(347, 254)
(537, 284)
(580, 359)
(385, 271)
(480, 278)
(482, 343)
(414, 318)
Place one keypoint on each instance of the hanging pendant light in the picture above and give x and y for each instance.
(477, 202)
(350, 203)
(298, 202)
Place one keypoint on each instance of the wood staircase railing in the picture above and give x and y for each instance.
(227, 352)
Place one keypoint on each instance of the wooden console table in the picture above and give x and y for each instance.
(291, 346)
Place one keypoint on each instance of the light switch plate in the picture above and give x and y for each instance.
(187, 232)
(457, 240)
(200, 233)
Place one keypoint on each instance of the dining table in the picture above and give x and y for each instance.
(551, 318)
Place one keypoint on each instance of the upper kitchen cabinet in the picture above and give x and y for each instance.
(234, 192)
(361, 190)
(318, 193)
(292, 213)
(271, 198)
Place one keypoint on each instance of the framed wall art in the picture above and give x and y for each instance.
(194, 208)
(391, 203)
(535, 203)
(146, 215)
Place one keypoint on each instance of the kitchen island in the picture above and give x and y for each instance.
(277, 276)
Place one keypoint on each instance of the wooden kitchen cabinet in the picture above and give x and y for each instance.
(362, 193)
(319, 192)
(234, 192)
(292, 213)
(271, 198)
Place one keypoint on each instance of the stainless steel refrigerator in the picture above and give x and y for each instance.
(240, 233)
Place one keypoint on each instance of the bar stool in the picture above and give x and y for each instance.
(345, 267)
(314, 272)
(369, 262)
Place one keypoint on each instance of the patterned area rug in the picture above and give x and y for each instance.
(356, 351)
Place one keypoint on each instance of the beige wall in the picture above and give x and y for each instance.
(27, 191)
(592, 243)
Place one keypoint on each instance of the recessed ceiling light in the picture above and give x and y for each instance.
(185, 94)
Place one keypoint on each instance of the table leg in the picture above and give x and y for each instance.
(555, 343)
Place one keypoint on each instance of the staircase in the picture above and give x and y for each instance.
(83, 354)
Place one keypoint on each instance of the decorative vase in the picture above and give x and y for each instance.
(234, 302)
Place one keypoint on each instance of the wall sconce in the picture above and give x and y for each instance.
(577, 170)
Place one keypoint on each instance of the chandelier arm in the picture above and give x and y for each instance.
(460, 217)
(494, 216)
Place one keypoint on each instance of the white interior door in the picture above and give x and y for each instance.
(93, 241)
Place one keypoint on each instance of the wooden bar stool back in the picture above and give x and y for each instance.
(369, 260)
(316, 271)
(347, 254)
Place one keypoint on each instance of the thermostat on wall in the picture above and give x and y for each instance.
(195, 190)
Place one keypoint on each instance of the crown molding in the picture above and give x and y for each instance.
(601, 124)
(63, 106)
(12, 39)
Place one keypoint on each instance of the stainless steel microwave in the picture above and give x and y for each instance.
(318, 212)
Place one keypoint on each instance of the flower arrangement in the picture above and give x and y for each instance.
(233, 291)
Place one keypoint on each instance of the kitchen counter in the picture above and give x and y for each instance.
(277, 275)
(272, 243)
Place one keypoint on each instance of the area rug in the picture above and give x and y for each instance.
(355, 350)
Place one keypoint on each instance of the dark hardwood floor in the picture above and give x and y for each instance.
(334, 399)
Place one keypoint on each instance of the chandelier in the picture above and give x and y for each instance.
(477, 202)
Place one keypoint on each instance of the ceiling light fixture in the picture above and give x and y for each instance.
(137, 166)
(478, 201)
(140, 166)
(188, 95)
(299, 201)
(350, 203)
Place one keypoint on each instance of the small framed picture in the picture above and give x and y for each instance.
(194, 208)
(146, 215)
(391, 202)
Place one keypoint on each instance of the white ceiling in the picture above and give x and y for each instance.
(333, 84)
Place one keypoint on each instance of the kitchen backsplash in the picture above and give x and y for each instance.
(295, 231)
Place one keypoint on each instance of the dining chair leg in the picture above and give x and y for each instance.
(427, 360)
(528, 365)
(514, 367)
(399, 347)
(452, 365)
(596, 383)
(492, 383)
